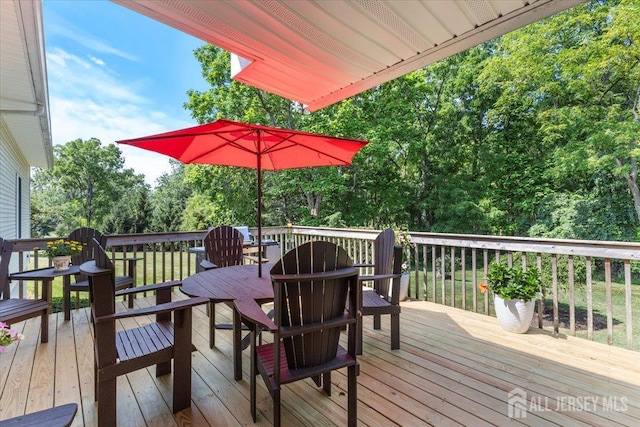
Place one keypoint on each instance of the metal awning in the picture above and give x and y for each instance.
(321, 52)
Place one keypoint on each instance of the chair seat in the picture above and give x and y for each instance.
(142, 341)
(16, 310)
(266, 366)
(372, 303)
(122, 282)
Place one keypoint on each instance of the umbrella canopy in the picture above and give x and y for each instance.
(230, 143)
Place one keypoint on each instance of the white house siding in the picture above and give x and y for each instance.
(13, 166)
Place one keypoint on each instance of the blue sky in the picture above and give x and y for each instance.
(115, 74)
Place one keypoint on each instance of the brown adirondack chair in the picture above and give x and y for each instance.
(14, 310)
(312, 286)
(85, 235)
(384, 297)
(156, 343)
(223, 246)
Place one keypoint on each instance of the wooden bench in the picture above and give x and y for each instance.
(14, 310)
(59, 416)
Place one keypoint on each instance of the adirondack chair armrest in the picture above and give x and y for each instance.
(156, 309)
(149, 288)
(207, 265)
(252, 312)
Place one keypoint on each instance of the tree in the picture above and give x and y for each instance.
(132, 214)
(83, 185)
(169, 200)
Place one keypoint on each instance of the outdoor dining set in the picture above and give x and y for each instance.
(300, 306)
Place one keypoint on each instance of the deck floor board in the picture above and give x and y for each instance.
(454, 368)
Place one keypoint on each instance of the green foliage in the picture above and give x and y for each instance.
(202, 213)
(81, 188)
(514, 283)
(131, 214)
(170, 200)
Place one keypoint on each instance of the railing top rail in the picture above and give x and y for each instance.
(21, 245)
(592, 248)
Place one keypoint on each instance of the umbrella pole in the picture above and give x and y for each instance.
(259, 214)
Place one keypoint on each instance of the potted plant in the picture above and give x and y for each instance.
(60, 252)
(514, 294)
(403, 238)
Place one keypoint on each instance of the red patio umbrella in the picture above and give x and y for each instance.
(229, 143)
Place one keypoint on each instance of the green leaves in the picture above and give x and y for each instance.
(83, 188)
(514, 283)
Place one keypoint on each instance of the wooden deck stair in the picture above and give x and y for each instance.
(453, 368)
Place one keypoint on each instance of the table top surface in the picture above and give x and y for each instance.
(240, 282)
(45, 273)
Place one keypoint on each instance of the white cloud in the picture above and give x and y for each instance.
(89, 100)
(97, 61)
(58, 26)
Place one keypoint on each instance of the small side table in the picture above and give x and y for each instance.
(46, 275)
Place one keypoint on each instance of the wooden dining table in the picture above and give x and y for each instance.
(46, 275)
(241, 286)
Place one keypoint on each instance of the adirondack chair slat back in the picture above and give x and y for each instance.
(383, 260)
(223, 246)
(85, 236)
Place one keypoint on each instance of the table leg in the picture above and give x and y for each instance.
(237, 345)
(66, 297)
(46, 292)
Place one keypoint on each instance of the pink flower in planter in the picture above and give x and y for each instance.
(7, 336)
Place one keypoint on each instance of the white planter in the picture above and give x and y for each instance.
(404, 285)
(514, 315)
(61, 262)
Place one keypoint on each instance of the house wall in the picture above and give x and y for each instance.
(14, 170)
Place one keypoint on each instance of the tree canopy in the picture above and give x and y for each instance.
(82, 189)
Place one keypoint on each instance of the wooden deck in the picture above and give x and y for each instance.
(454, 368)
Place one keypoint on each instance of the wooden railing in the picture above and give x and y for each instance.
(580, 277)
